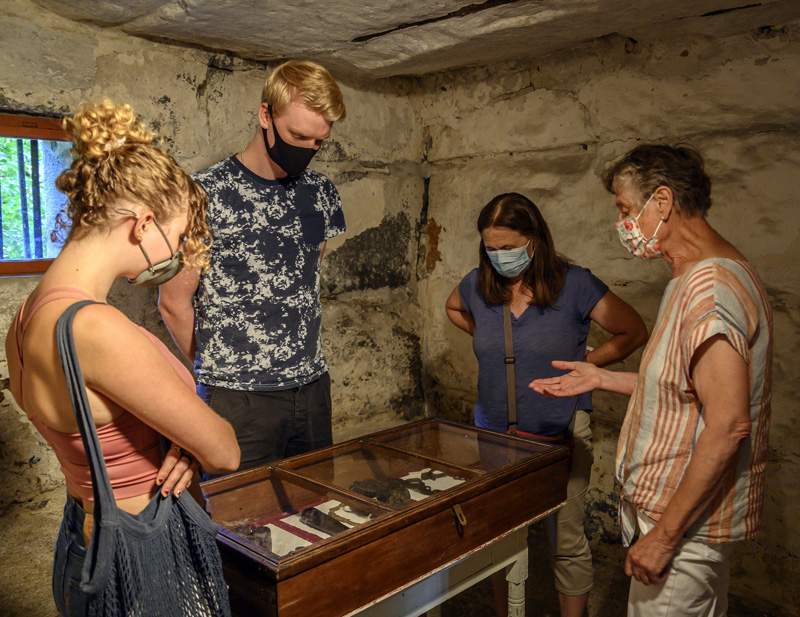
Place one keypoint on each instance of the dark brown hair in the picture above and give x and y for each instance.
(679, 168)
(545, 275)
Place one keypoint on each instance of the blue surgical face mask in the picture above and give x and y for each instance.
(510, 262)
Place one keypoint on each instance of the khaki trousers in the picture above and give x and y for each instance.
(569, 549)
(697, 583)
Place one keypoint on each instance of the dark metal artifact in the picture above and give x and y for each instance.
(317, 519)
(391, 492)
(259, 534)
(418, 485)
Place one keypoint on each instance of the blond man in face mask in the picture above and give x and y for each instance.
(252, 327)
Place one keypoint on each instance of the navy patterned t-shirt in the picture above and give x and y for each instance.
(257, 310)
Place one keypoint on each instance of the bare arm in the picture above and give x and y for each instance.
(584, 377)
(122, 364)
(458, 314)
(618, 318)
(722, 381)
(177, 311)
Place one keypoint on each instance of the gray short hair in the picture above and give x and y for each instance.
(680, 168)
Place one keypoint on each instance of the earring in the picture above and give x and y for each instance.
(139, 236)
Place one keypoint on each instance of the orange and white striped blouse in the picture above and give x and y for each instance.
(665, 417)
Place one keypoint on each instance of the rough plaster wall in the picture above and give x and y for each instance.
(547, 130)
(204, 107)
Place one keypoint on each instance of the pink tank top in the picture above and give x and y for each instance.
(131, 449)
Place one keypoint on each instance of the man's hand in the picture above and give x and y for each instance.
(648, 560)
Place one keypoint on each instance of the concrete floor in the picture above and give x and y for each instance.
(27, 535)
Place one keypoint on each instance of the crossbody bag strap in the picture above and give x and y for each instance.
(510, 360)
(105, 506)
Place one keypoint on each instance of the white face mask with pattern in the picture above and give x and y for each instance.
(632, 238)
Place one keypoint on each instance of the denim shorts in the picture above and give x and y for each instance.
(70, 554)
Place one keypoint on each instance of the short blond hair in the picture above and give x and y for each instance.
(310, 82)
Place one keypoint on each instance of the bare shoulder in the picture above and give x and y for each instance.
(99, 316)
(116, 355)
(99, 326)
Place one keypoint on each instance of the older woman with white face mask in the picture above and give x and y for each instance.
(548, 305)
(692, 450)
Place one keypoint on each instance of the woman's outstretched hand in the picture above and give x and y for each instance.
(582, 377)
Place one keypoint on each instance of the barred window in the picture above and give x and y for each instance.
(33, 152)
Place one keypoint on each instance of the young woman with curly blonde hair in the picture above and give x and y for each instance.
(132, 213)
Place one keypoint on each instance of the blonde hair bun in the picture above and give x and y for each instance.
(101, 128)
(114, 159)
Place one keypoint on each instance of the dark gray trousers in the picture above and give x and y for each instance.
(274, 425)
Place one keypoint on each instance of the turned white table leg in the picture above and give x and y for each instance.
(516, 575)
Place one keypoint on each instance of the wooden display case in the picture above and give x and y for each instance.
(328, 532)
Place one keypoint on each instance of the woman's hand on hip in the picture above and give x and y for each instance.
(648, 560)
(177, 471)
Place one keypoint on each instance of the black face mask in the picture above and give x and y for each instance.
(291, 159)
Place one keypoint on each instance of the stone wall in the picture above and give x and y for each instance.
(203, 106)
(547, 130)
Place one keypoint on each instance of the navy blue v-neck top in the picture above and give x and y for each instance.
(540, 336)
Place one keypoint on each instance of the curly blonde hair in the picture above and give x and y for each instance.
(114, 158)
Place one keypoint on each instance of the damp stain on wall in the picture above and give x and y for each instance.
(434, 229)
(377, 257)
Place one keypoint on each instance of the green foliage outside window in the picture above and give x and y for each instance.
(29, 200)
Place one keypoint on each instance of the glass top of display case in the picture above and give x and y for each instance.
(461, 445)
(283, 510)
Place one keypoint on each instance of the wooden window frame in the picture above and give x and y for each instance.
(30, 127)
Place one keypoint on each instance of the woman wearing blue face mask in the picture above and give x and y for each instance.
(552, 305)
